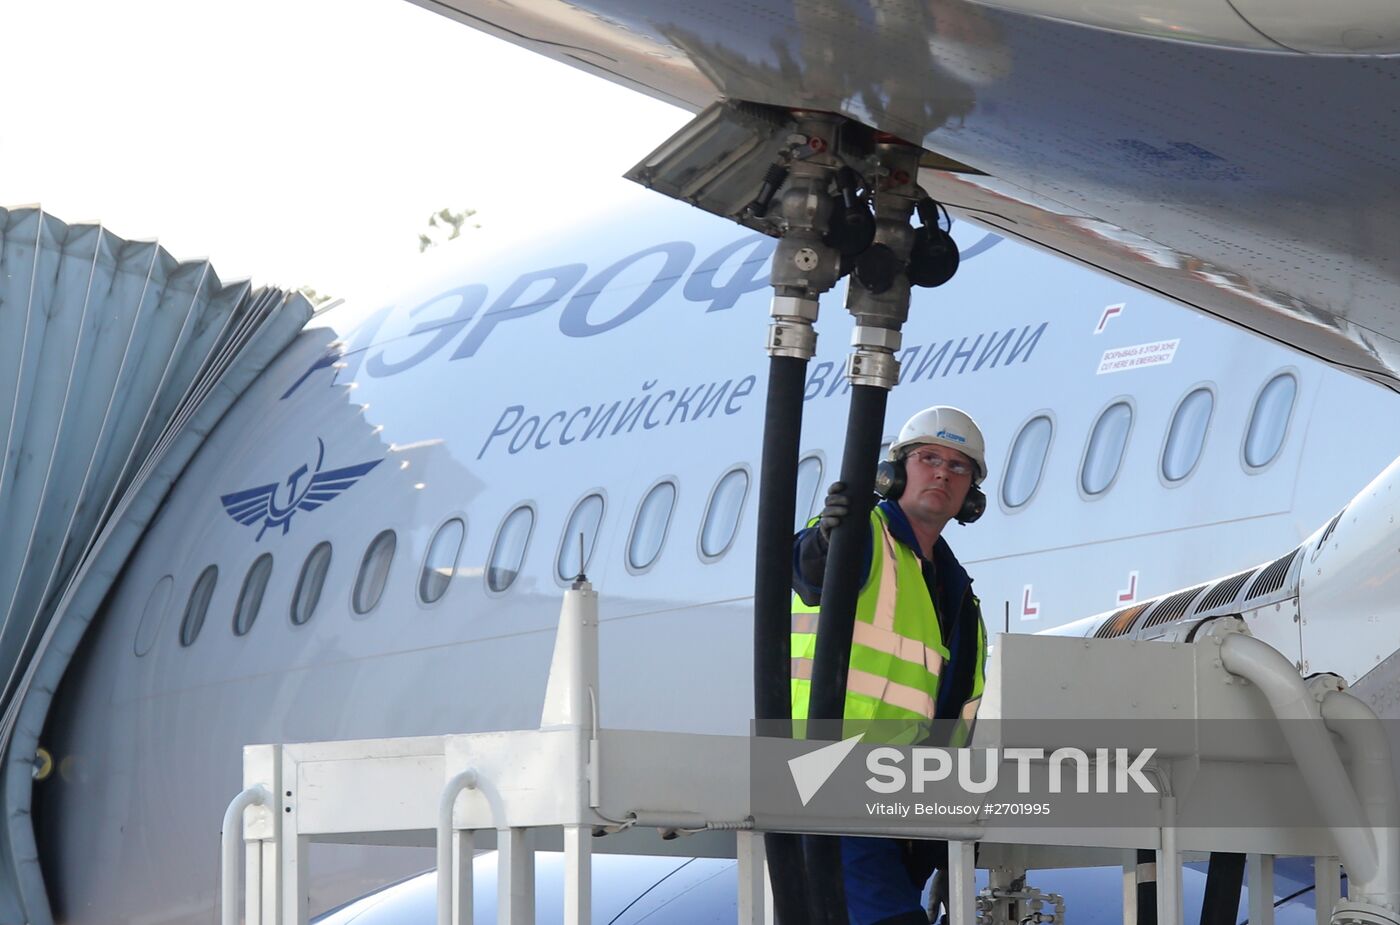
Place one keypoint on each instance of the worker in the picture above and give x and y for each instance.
(919, 648)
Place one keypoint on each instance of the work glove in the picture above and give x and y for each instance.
(838, 505)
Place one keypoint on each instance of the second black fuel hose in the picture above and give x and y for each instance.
(772, 649)
(841, 584)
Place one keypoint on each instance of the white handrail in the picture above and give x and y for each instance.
(229, 840)
(1169, 870)
(446, 871)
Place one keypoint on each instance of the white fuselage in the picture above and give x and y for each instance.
(148, 746)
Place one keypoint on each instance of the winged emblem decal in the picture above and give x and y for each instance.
(252, 505)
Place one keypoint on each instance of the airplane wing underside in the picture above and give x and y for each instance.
(1256, 186)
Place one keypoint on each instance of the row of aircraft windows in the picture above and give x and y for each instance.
(1182, 444)
(650, 527)
(1103, 455)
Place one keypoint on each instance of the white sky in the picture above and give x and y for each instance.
(300, 142)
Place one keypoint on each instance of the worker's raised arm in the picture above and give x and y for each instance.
(809, 547)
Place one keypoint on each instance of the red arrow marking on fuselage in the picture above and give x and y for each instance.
(1108, 313)
(1130, 594)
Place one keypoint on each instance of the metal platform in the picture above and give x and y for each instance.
(572, 785)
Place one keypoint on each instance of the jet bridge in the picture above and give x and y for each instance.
(116, 360)
(1242, 753)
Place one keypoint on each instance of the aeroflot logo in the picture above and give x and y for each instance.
(252, 505)
(949, 435)
(457, 322)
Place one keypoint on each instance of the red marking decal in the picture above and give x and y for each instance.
(1030, 609)
(1129, 595)
(1108, 313)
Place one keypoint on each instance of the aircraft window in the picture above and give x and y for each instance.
(310, 582)
(652, 522)
(1187, 435)
(1268, 424)
(508, 552)
(374, 572)
(1104, 454)
(198, 605)
(809, 480)
(585, 520)
(722, 514)
(441, 561)
(154, 615)
(1026, 463)
(250, 597)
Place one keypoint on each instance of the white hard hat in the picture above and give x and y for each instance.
(944, 425)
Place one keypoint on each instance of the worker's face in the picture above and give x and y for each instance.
(933, 492)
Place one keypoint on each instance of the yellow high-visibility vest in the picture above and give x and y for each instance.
(897, 651)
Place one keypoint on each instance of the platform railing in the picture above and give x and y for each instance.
(568, 782)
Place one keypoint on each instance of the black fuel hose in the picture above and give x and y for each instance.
(1224, 884)
(1146, 889)
(826, 887)
(777, 509)
(772, 608)
(841, 585)
(842, 580)
(787, 872)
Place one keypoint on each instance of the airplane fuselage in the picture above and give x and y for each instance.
(481, 424)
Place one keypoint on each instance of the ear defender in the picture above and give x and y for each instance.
(889, 484)
(973, 506)
(889, 479)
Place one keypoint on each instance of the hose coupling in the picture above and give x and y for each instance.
(791, 334)
(871, 367)
(873, 361)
